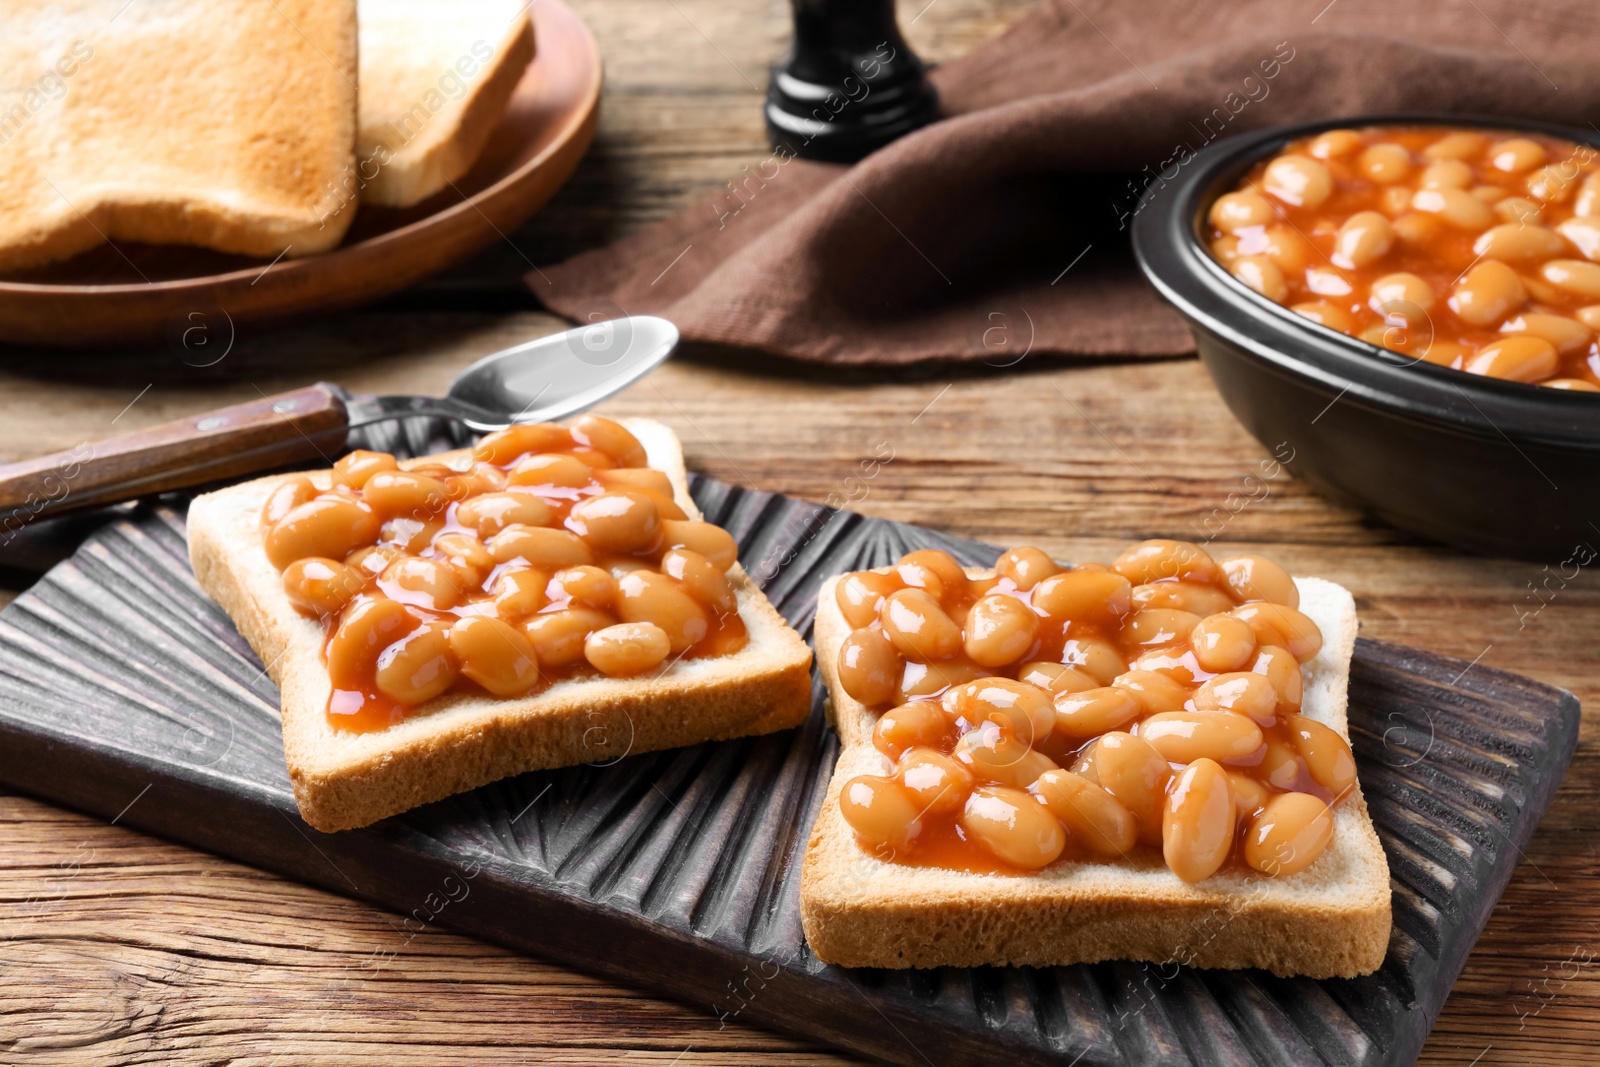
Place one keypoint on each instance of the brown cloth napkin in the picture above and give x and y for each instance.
(1001, 230)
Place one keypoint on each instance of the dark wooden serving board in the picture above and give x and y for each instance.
(679, 871)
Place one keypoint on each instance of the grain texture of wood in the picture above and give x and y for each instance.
(116, 948)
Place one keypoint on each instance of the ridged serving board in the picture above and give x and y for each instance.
(680, 871)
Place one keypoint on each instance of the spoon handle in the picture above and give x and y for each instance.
(257, 435)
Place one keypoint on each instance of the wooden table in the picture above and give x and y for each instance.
(116, 948)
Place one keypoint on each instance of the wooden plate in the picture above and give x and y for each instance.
(680, 871)
(134, 293)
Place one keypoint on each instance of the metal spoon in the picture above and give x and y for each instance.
(542, 380)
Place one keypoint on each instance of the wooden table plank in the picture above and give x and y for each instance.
(117, 948)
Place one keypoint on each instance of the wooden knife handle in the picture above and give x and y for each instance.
(244, 439)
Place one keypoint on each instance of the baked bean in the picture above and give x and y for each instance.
(869, 666)
(1416, 229)
(1281, 767)
(1244, 692)
(701, 579)
(1458, 144)
(317, 586)
(1458, 207)
(1515, 155)
(330, 527)
(1573, 384)
(994, 754)
(1325, 314)
(1290, 251)
(1249, 795)
(1153, 690)
(619, 521)
(1027, 567)
(1584, 235)
(558, 637)
(1384, 163)
(1298, 180)
(520, 593)
(495, 654)
(626, 649)
(712, 542)
(427, 583)
(1589, 316)
(1084, 596)
(367, 627)
(1519, 210)
(1025, 709)
(1567, 335)
(1512, 241)
(1364, 238)
(1327, 755)
(939, 784)
(471, 561)
(1588, 203)
(419, 666)
(1334, 143)
(1446, 174)
(1226, 249)
(1095, 711)
(1263, 275)
(284, 499)
(918, 626)
(1235, 211)
(612, 438)
(882, 812)
(370, 562)
(919, 680)
(1194, 597)
(584, 587)
(1055, 677)
(1325, 281)
(646, 479)
(1280, 668)
(861, 594)
(1153, 561)
(914, 567)
(1197, 828)
(1186, 736)
(503, 447)
(551, 472)
(1159, 627)
(540, 546)
(1394, 201)
(645, 596)
(1092, 816)
(1251, 577)
(1445, 354)
(1222, 643)
(356, 467)
(409, 535)
(1288, 835)
(1573, 276)
(1279, 624)
(1402, 295)
(1517, 359)
(405, 493)
(1012, 826)
(1131, 770)
(999, 630)
(1095, 657)
(921, 723)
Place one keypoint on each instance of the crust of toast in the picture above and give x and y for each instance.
(1330, 920)
(230, 125)
(458, 742)
(416, 135)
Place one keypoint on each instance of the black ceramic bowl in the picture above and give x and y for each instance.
(1489, 465)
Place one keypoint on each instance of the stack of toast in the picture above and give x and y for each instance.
(254, 129)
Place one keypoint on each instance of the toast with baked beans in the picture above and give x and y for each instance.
(1046, 765)
(548, 598)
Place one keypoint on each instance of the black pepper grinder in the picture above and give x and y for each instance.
(849, 84)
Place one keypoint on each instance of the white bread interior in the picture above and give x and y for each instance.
(229, 124)
(458, 742)
(435, 79)
(1330, 920)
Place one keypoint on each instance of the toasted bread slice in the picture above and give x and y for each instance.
(228, 124)
(458, 741)
(435, 79)
(1330, 920)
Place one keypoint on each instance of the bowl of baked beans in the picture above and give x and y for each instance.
(1409, 308)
